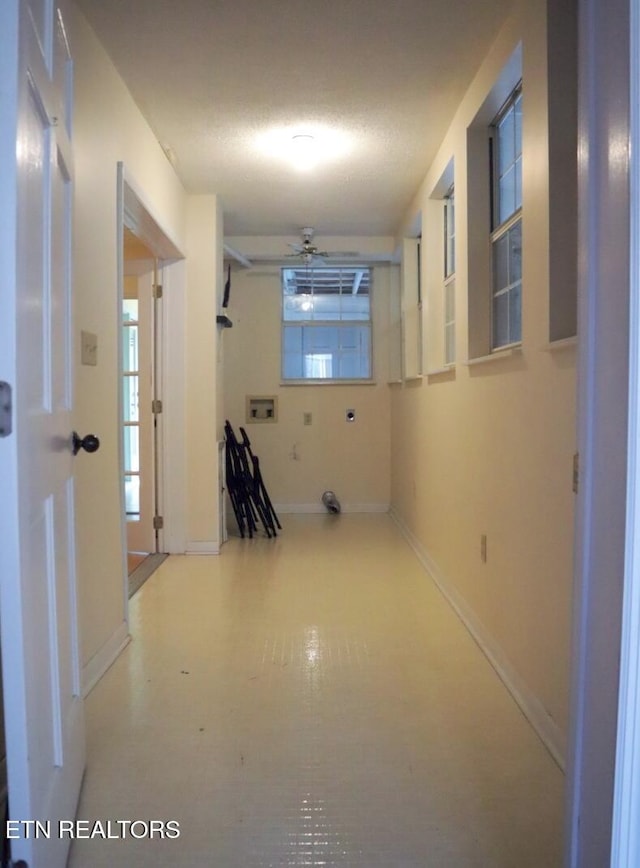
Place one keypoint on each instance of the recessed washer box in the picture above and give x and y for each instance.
(262, 408)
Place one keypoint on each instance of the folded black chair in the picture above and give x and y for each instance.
(260, 489)
(248, 495)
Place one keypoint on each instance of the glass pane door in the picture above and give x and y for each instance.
(131, 409)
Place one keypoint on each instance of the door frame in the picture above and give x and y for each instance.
(135, 212)
(626, 806)
(606, 571)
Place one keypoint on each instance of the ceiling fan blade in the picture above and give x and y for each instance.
(338, 253)
(273, 257)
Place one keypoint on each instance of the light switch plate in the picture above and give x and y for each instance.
(88, 348)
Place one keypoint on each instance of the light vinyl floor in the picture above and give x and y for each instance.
(312, 701)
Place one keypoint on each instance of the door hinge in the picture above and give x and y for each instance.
(157, 290)
(156, 406)
(576, 472)
(6, 409)
(158, 522)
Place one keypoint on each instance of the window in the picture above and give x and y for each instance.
(506, 210)
(326, 323)
(449, 278)
(439, 263)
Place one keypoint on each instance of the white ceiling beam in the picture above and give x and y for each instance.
(235, 254)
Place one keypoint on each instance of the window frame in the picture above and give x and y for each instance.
(503, 229)
(449, 200)
(328, 323)
(449, 276)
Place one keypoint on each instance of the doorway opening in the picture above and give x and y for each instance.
(145, 251)
(140, 406)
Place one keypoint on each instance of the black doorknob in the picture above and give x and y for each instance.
(90, 443)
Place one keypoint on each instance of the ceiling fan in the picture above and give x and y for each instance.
(305, 252)
(310, 254)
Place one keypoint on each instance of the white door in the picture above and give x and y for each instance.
(38, 608)
(139, 419)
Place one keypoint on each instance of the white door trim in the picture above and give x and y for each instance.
(173, 497)
(625, 849)
(603, 395)
(120, 209)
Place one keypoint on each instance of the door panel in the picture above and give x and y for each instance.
(40, 14)
(62, 74)
(60, 315)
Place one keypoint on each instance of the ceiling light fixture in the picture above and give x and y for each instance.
(310, 147)
(304, 151)
(303, 141)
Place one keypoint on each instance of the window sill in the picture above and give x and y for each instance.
(438, 372)
(563, 344)
(497, 355)
(328, 382)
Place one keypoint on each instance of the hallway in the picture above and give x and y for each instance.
(312, 700)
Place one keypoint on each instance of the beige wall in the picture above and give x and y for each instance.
(300, 462)
(108, 129)
(487, 448)
(203, 427)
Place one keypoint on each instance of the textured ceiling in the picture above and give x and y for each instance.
(216, 80)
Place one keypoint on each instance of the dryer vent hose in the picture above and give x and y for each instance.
(331, 502)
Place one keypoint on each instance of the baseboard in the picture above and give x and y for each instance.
(202, 547)
(312, 508)
(104, 658)
(546, 728)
